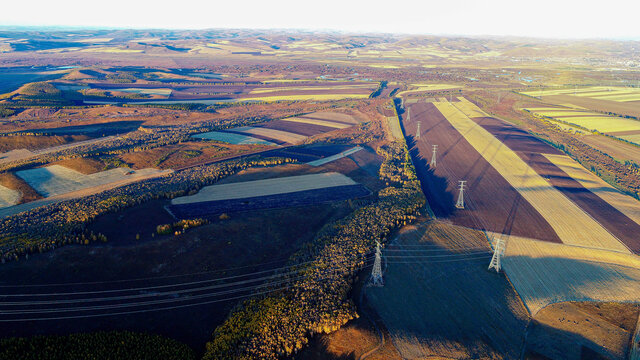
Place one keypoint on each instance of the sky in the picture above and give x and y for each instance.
(531, 18)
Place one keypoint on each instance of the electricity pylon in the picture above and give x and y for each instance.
(376, 272)
(418, 131)
(498, 251)
(460, 203)
(433, 156)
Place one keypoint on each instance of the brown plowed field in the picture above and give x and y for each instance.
(530, 150)
(297, 128)
(493, 204)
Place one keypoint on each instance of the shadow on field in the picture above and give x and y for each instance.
(439, 300)
(434, 187)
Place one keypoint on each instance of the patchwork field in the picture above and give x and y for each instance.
(198, 87)
(595, 92)
(493, 204)
(570, 222)
(308, 153)
(292, 130)
(587, 262)
(58, 180)
(592, 121)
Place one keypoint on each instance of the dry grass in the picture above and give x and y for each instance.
(305, 120)
(82, 165)
(8, 197)
(9, 180)
(468, 108)
(561, 330)
(30, 142)
(544, 273)
(572, 224)
(306, 97)
(633, 138)
(447, 309)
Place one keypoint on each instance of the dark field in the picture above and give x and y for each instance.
(493, 204)
(294, 199)
(255, 241)
(93, 130)
(297, 128)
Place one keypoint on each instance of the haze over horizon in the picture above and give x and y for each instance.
(544, 19)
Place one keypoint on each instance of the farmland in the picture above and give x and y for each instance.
(568, 221)
(290, 130)
(265, 187)
(540, 271)
(626, 128)
(219, 194)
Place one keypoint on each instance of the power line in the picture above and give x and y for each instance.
(159, 277)
(143, 303)
(154, 287)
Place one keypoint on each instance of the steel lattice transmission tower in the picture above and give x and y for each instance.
(418, 131)
(376, 272)
(460, 203)
(433, 156)
(498, 251)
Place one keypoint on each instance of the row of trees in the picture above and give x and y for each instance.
(279, 324)
(180, 226)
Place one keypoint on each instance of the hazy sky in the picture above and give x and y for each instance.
(539, 18)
